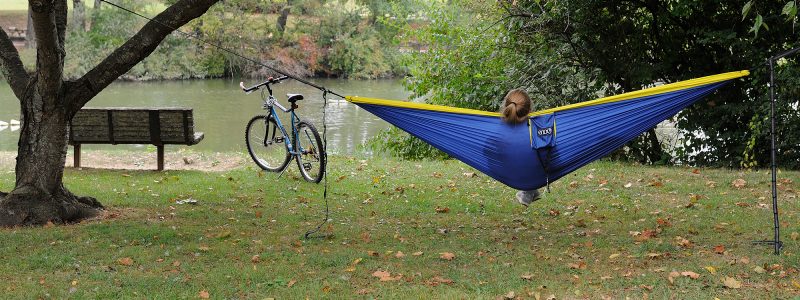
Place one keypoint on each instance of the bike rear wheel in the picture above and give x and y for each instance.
(312, 158)
(266, 144)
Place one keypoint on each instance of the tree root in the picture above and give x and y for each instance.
(26, 207)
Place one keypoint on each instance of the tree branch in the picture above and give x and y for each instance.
(49, 49)
(11, 66)
(135, 50)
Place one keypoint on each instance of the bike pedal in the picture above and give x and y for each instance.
(307, 166)
(279, 139)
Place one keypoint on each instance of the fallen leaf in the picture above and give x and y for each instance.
(203, 294)
(759, 270)
(731, 283)
(739, 183)
(510, 295)
(365, 236)
(470, 174)
(719, 249)
(125, 261)
(526, 276)
(690, 274)
(711, 270)
(696, 171)
(442, 210)
(613, 256)
(672, 275)
(385, 276)
(438, 279)
(326, 289)
(628, 185)
(399, 254)
(447, 256)
(203, 248)
(683, 242)
(258, 214)
(554, 212)
(418, 253)
(744, 260)
(291, 283)
(373, 253)
(794, 235)
(578, 266)
(573, 184)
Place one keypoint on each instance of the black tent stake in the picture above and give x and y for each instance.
(776, 241)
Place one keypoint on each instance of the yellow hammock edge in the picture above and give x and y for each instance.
(681, 85)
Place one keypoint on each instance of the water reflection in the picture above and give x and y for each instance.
(222, 110)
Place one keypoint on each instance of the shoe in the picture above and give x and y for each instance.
(527, 197)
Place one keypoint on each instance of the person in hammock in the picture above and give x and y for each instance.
(515, 109)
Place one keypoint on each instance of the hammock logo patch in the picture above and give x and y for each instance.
(544, 131)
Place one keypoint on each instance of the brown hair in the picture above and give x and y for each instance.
(516, 106)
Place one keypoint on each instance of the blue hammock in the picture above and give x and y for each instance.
(555, 142)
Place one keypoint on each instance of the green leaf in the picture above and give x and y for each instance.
(746, 9)
(788, 8)
(757, 25)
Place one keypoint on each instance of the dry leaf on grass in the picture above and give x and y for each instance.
(291, 283)
(690, 274)
(386, 276)
(578, 266)
(442, 210)
(203, 294)
(447, 256)
(711, 270)
(125, 261)
(739, 183)
(510, 295)
(731, 283)
(719, 249)
(399, 254)
(526, 276)
(613, 256)
(418, 253)
(255, 259)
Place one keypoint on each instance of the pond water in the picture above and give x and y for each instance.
(221, 109)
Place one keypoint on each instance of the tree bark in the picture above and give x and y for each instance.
(48, 103)
(78, 15)
(30, 36)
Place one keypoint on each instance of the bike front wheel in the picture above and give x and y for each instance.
(266, 144)
(311, 158)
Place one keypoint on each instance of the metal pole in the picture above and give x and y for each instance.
(777, 241)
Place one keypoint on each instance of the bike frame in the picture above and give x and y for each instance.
(270, 105)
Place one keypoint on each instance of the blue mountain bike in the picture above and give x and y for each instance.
(271, 146)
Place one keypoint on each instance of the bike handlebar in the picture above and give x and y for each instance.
(265, 83)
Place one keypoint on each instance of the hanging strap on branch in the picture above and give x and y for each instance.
(234, 53)
(313, 232)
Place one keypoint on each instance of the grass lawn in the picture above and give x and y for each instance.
(609, 230)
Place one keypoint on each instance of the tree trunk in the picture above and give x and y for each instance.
(39, 195)
(78, 15)
(282, 19)
(654, 152)
(30, 35)
(48, 103)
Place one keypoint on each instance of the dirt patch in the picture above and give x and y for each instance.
(145, 160)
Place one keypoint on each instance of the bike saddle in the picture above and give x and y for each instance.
(294, 97)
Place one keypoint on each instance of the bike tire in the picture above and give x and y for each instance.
(313, 160)
(267, 149)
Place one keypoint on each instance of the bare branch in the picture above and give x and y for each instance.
(135, 49)
(11, 65)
